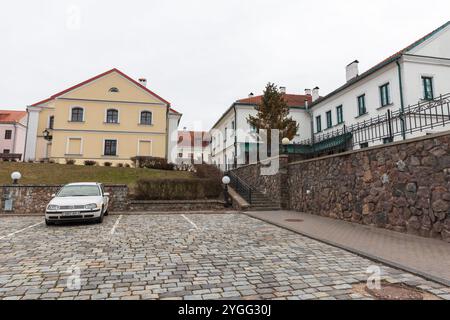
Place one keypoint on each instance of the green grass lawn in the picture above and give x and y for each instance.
(44, 173)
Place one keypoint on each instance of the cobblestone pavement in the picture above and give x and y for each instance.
(179, 257)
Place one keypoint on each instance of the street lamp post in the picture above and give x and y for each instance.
(285, 142)
(226, 181)
(16, 176)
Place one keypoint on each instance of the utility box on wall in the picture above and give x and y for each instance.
(7, 203)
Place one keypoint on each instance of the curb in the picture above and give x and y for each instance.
(363, 254)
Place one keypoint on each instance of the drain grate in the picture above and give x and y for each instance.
(293, 220)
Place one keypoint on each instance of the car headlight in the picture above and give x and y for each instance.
(52, 207)
(91, 206)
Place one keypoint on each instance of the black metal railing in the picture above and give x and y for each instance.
(384, 128)
(240, 186)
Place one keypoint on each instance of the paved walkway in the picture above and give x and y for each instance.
(426, 257)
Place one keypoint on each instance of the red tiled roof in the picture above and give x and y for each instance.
(11, 116)
(97, 77)
(292, 100)
(187, 138)
(383, 63)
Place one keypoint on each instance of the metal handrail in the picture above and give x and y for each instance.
(240, 186)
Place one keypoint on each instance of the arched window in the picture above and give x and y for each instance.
(146, 117)
(114, 90)
(112, 116)
(77, 114)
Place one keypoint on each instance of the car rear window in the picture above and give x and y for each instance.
(79, 191)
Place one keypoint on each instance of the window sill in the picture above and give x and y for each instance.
(113, 123)
(70, 121)
(362, 115)
(146, 125)
(386, 106)
(333, 127)
(109, 156)
(73, 155)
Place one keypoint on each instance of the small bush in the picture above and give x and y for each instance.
(120, 165)
(177, 189)
(70, 161)
(107, 164)
(127, 165)
(90, 163)
(152, 163)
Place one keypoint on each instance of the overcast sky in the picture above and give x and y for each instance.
(201, 55)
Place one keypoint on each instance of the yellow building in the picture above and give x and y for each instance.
(108, 118)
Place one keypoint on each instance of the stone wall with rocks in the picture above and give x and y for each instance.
(272, 185)
(33, 199)
(176, 205)
(404, 186)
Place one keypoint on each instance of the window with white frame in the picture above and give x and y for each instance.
(339, 115)
(318, 124)
(362, 105)
(110, 147)
(146, 118)
(77, 114)
(427, 83)
(112, 116)
(385, 95)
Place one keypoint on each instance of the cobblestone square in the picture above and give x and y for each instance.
(222, 256)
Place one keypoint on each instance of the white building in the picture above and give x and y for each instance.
(232, 137)
(193, 147)
(418, 73)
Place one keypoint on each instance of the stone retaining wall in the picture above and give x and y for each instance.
(34, 199)
(403, 186)
(176, 205)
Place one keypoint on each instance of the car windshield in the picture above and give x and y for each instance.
(79, 191)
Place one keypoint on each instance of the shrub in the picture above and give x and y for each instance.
(207, 171)
(120, 165)
(90, 163)
(127, 165)
(152, 163)
(70, 161)
(107, 164)
(177, 189)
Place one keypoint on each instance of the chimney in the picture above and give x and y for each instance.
(143, 81)
(315, 94)
(307, 92)
(283, 90)
(251, 95)
(352, 70)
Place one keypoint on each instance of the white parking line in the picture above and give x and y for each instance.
(189, 220)
(113, 230)
(21, 230)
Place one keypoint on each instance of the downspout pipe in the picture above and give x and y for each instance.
(235, 135)
(402, 101)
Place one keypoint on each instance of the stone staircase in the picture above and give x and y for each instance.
(261, 202)
(256, 200)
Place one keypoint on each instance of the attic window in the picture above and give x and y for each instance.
(114, 89)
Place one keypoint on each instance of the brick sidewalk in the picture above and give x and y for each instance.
(426, 257)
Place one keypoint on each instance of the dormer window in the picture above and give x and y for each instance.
(114, 90)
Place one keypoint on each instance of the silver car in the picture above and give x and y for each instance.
(78, 202)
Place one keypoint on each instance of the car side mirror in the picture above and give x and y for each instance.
(53, 195)
(106, 194)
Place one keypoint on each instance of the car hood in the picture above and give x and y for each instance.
(70, 201)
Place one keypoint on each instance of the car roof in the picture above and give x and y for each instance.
(83, 184)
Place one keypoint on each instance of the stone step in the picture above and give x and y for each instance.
(264, 208)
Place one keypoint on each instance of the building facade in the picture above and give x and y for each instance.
(193, 147)
(108, 118)
(416, 76)
(234, 140)
(13, 127)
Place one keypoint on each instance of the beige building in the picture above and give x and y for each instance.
(108, 118)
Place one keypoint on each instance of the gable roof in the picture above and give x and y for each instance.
(9, 116)
(382, 64)
(189, 139)
(98, 77)
(292, 100)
